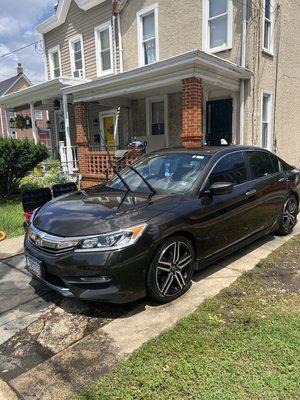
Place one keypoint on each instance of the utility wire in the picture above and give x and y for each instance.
(20, 48)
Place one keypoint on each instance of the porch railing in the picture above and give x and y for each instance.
(98, 163)
(68, 158)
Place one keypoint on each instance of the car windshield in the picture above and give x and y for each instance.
(168, 173)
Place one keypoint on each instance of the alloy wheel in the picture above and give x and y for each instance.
(174, 268)
(290, 213)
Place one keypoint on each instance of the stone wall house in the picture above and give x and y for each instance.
(172, 73)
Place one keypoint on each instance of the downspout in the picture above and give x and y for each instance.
(1, 120)
(120, 43)
(243, 65)
(114, 44)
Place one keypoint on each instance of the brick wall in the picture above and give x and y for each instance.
(192, 108)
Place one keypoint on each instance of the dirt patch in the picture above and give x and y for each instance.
(282, 272)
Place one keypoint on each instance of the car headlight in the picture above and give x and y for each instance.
(113, 240)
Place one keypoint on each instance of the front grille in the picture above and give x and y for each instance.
(50, 251)
(50, 244)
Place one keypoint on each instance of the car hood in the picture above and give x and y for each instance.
(86, 213)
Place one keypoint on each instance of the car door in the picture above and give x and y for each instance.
(223, 220)
(269, 187)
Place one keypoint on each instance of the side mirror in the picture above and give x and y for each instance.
(219, 188)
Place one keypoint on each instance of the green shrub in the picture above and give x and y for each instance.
(17, 158)
(36, 180)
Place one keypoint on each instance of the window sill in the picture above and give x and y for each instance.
(218, 49)
(105, 74)
(268, 52)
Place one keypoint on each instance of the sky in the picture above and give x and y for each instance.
(18, 19)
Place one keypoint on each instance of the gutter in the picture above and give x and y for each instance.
(243, 65)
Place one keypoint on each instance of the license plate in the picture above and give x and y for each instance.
(34, 266)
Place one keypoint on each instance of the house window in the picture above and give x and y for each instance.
(38, 114)
(103, 37)
(77, 58)
(268, 26)
(148, 45)
(54, 62)
(157, 118)
(266, 140)
(217, 25)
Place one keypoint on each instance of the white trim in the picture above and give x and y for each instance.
(33, 122)
(72, 40)
(108, 113)
(50, 58)
(205, 28)
(140, 14)
(98, 29)
(39, 92)
(270, 118)
(156, 99)
(269, 51)
(61, 13)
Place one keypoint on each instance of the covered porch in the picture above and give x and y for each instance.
(59, 137)
(189, 100)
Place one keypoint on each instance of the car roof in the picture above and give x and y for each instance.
(209, 150)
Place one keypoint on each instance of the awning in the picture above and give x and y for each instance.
(40, 92)
(212, 69)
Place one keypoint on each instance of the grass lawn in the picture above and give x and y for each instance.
(242, 344)
(11, 216)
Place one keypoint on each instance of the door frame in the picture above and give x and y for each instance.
(103, 114)
(156, 99)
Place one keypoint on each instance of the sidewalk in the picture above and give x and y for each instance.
(11, 247)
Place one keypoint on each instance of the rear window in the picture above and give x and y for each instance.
(260, 163)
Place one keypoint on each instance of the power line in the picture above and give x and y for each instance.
(20, 48)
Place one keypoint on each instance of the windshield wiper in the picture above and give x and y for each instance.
(143, 179)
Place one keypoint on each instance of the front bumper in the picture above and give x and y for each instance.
(126, 269)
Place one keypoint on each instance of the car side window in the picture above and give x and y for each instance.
(260, 163)
(230, 168)
(276, 163)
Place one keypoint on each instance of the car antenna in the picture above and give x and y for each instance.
(112, 165)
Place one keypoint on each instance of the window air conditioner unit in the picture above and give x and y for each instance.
(78, 73)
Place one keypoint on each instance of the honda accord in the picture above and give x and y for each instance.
(152, 225)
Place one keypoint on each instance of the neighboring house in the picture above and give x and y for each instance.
(17, 122)
(186, 72)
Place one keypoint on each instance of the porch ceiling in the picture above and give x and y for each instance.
(166, 74)
(41, 92)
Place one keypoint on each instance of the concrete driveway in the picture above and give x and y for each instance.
(50, 347)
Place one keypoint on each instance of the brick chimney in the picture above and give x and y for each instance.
(20, 69)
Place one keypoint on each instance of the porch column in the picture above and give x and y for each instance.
(69, 152)
(33, 123)
(192, 109)
(81, 136)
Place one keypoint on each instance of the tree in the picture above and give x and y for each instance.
(17, 158)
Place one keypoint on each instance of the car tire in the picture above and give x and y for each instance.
(171, 269)
(288, 216)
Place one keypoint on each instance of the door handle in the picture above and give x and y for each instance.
(251, 192)
(284, 179)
